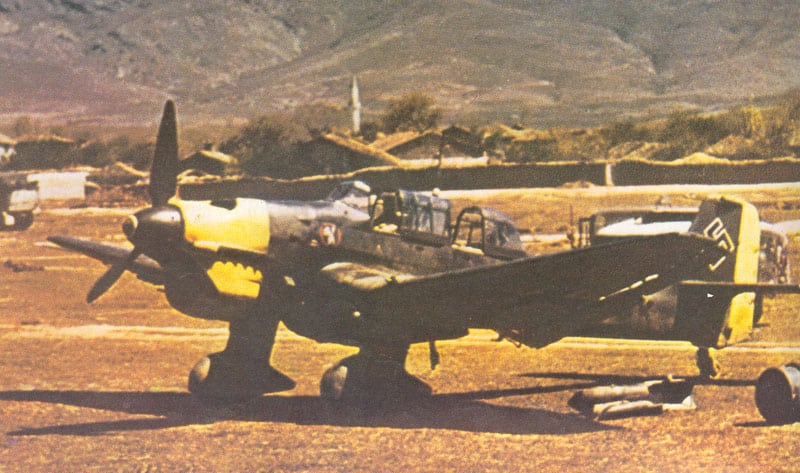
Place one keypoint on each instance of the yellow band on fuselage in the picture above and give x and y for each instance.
(739, 319)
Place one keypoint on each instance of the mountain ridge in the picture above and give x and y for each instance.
(537, 62)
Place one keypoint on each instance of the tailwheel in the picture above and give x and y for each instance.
(375, 381)
(707, 363)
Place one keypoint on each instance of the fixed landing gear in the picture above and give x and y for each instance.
(371, 380)
(221, 379)
(241, 371)
(707, 363)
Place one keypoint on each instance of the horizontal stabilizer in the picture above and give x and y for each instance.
(730, 289)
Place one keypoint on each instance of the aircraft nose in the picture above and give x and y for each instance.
(154, 226)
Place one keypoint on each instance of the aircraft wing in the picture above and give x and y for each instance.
(583, 276)
(145, 268)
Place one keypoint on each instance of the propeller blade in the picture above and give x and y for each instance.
(164, 171)
(111, 276)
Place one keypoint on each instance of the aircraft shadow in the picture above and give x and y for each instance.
(460, 411)
(607, 379)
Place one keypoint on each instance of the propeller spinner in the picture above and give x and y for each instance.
(159, 222)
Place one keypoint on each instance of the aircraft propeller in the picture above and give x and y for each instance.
(160, 221)
(111, 276)
(164, 170)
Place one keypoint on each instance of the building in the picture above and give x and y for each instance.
(43, 152)
(455, 141)
(334, 154)
(410, 144)
(207, 161)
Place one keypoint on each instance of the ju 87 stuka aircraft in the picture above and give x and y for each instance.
(385, 271)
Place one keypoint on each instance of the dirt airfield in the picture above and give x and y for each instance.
(102, 387)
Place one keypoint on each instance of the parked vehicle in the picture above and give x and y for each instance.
(19, 199)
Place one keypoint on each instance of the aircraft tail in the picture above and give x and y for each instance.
(734, 225)
(714, 311)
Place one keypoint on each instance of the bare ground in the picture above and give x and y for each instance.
(102, 387)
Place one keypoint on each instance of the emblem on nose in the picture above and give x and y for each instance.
(329, 234)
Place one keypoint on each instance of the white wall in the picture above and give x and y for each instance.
(60, 185)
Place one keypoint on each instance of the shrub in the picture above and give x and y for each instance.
(322, 117)
(533, 151)
(139, 154)
(691, 132)
(95, 153)
(270, 145)
(415, 111)
(622, 132)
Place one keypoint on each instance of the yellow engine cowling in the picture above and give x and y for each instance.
(240, 225)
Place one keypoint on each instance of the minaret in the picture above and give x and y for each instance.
(355, 103)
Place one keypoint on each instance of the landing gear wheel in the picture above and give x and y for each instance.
(371, 382)
(23, 221)
(241, 371)
(217, 380)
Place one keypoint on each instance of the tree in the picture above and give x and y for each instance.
(321, 117)
(415, 111)
(95, 153)
(24, 125)
(688, 132)
(270, 145)
(537, 150)
(138, 154)
(624, 131)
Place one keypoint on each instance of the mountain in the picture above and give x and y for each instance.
(537, 62)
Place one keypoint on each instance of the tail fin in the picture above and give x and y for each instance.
(712, 315)
(734, 225)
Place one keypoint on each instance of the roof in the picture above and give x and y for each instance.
(7, 141)
(363, 149)
(451, 161)
(214, 155)
(45, 138)
(395, 139)
(512, 134)
(401, 138)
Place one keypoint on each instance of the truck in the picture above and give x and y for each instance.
(19, 200)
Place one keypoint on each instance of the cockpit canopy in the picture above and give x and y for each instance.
(352, 193)
(426, 217)
(417, 215)
(488, 230)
